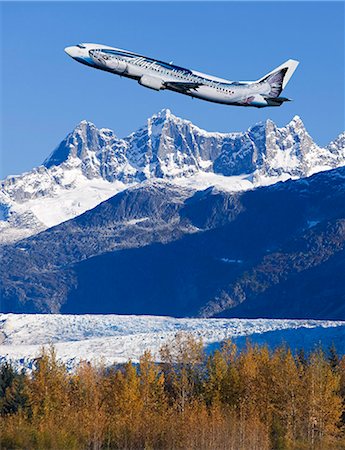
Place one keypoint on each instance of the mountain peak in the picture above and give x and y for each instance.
(84, 125)
(338, 144)
(164, 113)
(83, 136)
(268, 125)
(296, 121)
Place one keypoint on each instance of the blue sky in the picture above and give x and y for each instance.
(45, 93)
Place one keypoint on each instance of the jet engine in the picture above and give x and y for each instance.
(152, 82)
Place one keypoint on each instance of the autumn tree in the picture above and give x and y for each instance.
(323, 405)
(87, 404)
(222, 383)
(253, 399)
(183, 364)
(47, 391)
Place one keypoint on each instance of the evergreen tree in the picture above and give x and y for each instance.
(15, 398)
(12, 395)
(7, 375)
(333, 357)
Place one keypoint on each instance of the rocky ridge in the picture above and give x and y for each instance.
(91, 165)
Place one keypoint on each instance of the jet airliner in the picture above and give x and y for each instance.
(158, 75)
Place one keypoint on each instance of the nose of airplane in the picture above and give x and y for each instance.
(71, 51)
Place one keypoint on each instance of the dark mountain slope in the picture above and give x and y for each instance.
(155, 250)
(281, 257)
(304, 279)
(37, 273)
(316, 292)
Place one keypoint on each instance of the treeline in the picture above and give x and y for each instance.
(255, 399)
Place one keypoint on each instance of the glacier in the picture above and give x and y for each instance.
(110, 339)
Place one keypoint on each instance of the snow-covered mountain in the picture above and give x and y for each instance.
(91, 165)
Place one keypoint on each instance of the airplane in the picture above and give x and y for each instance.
(158, 75)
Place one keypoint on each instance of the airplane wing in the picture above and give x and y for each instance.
(181, 86)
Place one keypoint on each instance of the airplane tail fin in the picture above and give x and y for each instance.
(279, 77)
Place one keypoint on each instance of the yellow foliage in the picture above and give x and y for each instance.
(249, 400)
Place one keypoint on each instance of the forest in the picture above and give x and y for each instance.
(249, 399)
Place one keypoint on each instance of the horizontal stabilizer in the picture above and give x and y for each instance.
(276, 101)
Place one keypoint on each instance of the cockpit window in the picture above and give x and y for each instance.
(81, 46)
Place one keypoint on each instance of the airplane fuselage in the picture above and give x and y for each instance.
(159, 75)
